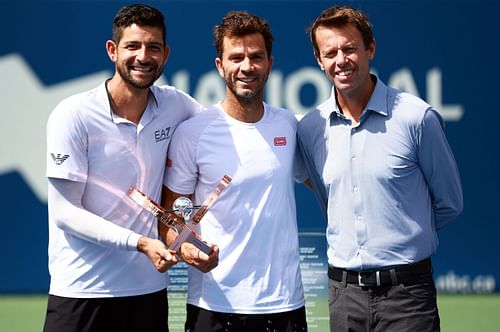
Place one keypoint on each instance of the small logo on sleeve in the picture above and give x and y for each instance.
(59, 158)
(279, 141)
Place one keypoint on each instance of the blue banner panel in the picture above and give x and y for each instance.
(434, 49)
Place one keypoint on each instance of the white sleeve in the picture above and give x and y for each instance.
(299, 170)
(66, 144)
(181, 173)
(65, 208)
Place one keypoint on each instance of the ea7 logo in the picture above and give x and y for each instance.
(162, 134)
(59, 158)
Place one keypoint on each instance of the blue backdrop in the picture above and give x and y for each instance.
(443, 51)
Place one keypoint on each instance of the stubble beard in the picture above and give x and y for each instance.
(246, 96)
(138, 84)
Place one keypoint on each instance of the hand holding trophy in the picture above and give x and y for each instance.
(182, 207)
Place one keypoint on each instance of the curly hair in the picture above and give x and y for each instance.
(241, 23)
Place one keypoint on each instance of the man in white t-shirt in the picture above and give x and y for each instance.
(257, 284)
(105, 257)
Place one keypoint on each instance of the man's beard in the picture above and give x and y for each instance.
(247, 95)
(138, 84)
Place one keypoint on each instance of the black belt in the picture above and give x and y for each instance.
(404, 274)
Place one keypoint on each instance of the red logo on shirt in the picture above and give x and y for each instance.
(169, 163)
(279, 141)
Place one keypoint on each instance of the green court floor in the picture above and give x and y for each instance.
(459, 313)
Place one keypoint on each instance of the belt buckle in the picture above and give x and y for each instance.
(362, 284)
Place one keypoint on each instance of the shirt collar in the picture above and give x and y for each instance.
(151, 96)
(377, 102)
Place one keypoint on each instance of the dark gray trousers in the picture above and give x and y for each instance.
(397, 308)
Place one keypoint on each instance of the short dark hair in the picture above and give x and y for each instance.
(238, 24)
(340, 16)
(139, 14)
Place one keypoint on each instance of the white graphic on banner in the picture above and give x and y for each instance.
(26, 104)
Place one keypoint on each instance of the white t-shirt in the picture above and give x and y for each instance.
(88, 143)
(254, 219)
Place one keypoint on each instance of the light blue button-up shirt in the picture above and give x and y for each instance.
(386, 184)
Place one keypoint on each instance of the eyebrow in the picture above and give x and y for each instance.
(335, 48)
(132, 42)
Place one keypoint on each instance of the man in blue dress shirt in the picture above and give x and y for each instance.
(386, 179)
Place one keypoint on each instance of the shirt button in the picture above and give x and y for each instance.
(355, 189)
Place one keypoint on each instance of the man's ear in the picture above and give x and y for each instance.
(371, 50)
(318, 60)
(218, 65)
(111, 49)
(166, 53)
